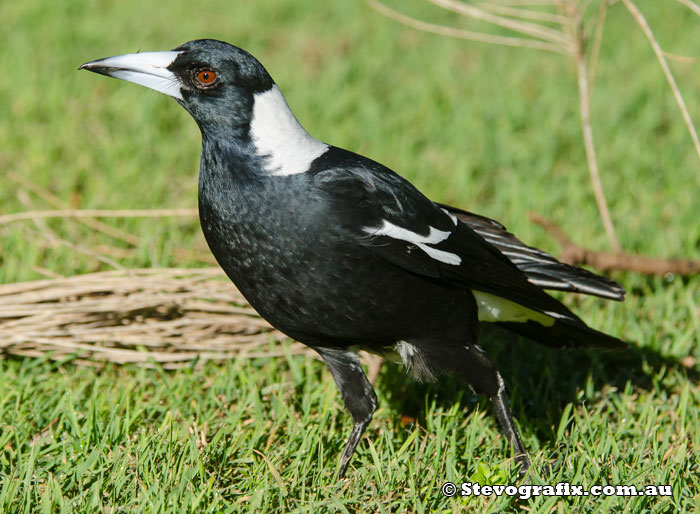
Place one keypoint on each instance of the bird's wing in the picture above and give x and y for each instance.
(377, 209)
(540, 267)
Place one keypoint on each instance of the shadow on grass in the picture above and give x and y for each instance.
(541, 380)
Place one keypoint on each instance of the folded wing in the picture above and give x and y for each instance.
(374, 208)
(538, 266)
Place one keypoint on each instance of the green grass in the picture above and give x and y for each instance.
(490, 129)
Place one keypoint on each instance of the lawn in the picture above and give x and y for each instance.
(494, 130)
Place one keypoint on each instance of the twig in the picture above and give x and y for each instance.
(41, 225)
(463, 34)
(576, 29)
(96, 213)
(54, 241)
(46, 272)
(685, 59)
(518, 12)
(56, 202)
(526, 2)
(181, 254)
(597, 42)
(575, 255)
(690, 5)
(568, 41)
(642, 22)
(531, 29)
(585, 107)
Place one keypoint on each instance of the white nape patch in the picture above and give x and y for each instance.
(146, 69)
(278, 136)
(493, 308)
(452, 216)
(434, 236)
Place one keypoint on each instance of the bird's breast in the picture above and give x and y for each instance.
(280, 248)
(265, 243)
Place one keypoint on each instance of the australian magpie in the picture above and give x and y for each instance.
(341, 253)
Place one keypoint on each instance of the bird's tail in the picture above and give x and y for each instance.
(564, 333)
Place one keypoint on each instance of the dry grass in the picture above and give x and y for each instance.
(169, 316)
(573, 28)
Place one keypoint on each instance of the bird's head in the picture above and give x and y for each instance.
(231, 97)
(214, 81)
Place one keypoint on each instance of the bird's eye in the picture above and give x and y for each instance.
(206, 77)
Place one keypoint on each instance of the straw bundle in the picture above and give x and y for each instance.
(169, 316)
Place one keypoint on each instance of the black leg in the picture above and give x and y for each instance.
(505, 418)
(474, 366)
(357, 394)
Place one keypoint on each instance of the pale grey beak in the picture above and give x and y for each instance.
(148, 69)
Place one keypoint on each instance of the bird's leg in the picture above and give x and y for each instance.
(505, 418)
(357, 394)
(475, 367)
(483, 376)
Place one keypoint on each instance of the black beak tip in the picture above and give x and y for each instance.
(93, 66)
(88, 66)
(97, 67)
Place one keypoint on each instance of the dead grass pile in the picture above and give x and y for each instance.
(170, 316)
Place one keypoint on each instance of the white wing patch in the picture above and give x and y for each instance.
(452, 216)
(440, 255)
(434, 236)
(278, 136)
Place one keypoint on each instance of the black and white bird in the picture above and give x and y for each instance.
(341, 253)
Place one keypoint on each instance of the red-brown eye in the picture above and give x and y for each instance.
(206, 77)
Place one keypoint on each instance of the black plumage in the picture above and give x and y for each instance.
(539, 267)
(340, 253)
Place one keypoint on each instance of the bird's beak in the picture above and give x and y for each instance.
(148, 69)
